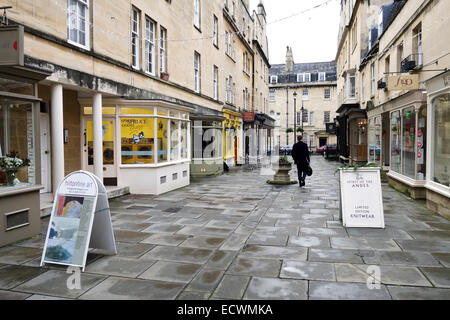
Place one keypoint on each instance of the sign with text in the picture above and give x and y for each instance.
(11, 46)
(403, 82)
(361, 198)
(80, 209)
(248, 116)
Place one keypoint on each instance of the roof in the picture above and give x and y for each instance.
(312, 67)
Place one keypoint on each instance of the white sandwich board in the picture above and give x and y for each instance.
(361, 198)
(80, 220)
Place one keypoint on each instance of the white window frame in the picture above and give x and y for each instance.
(272, 78)
(135, 34)
(325, 114)
(78, 18)
(372, 79)
(215, 83)
(163, 50)
(271, 95)
(215, 31)
(311, 118)
(150, 52)
(197, 71)
(305, 96)
(325, 96)
(307, 75)
(322, 75)
(197, 13)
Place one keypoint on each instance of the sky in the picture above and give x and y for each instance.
(312, 35)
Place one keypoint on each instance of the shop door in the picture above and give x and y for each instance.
(322, 142)
(109, 161)
(46, 180)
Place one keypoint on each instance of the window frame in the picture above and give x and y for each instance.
(163, 50)
(150, 42)
(87, 24)
(135, 34)
(197, 70)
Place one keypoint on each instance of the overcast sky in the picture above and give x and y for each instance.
(312, 35)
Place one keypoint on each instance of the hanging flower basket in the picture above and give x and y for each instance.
(289, 130)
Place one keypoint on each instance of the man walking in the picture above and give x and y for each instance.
(300, 154)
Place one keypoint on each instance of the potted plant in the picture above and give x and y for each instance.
(289, 130)
(11, 164)
(165, 76)
(300, 129)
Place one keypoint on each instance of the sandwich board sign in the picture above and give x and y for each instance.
(361, 198)
(80, 220)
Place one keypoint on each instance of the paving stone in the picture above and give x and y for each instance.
(364, 244)
(11, 295)
(255, 267)
(444, 258)
(231, 287)
(166, 239)
(132, 250)
(319, 290)
(54, 283)
(220, 260)
(308, 270)
(276, 289)
(440, 277)
(188, 255)
(336, 255)
(418, 293)
(129, 236)
(346, 272)
(12, 276)
(222, 224)
(399, 275)
(163, 228)
(133, 289)
(18, 255)
(291, 231)
(425, 245)
(194, 230)
(205, 242)
(127, 225)
(234, 242)
(416, 259)
(192, 222)
(120, 266)
(387, 233)
(431, 235)
(274, 252)
(171, 272)
(322, 232)
(309, 241)
(35, 242)
(42, 297)
(266, 239)
(192, 295)
(206, 280)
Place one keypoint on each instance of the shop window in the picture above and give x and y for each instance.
(105, 110)
(409, 142)
(206, 140)
(16, 138)
(441, 161)
(184, 140)
(163, 112)
(137, 140)
(162, 138)
(421, 143)
(174, 140)
(12, 86)
(396, 143)
(128, 111)
(108, 142)
(375, 132)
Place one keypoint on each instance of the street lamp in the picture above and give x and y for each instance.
(295, 117)
(302, 113)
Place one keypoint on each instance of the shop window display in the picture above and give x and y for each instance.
(16, 143)
(396, 143)
(409, 142)
(441, 161)
(174, 140)
(421, 143)
(374, 138)
(162, 136)
(206, 140)
(137, 140)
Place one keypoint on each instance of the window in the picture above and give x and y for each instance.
(196, 72)
(163, 51)
(311, 118)
(307, 77)
(417, 44)
(78, 22)
(305, 94)
(273, 79)
(272, 95)
(17, 135)
(363, 86)
(229, 89)
(327, 94)
(304, 77)
(149, 46)
(135, 38)
(229, 44)
(305, 116)
(441, 163)
(372, 79)
(352, 85)
(299, 120)
(215, 31)
(409, 142)
(174, 140)
(400, 57)
(396, 141)
(311, 141)
(354, 35)
(322, 76)
(197, 13)
(326, 117)
(215, 83)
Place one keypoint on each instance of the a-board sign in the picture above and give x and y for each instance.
(361, 198)
(80, 220)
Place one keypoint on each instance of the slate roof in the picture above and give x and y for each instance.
(314, 68)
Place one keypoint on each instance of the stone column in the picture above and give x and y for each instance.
(97, 135)
(57, 126)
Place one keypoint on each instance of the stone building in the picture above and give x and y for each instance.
(125, 91)
(398, 84)
(315, 87)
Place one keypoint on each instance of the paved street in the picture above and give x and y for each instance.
(236, 237)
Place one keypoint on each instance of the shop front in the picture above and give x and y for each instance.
(232, 137)
(207, 145)
(146, 144)
(408, 139)
(20, 176)
(378, 138)
(438, 150)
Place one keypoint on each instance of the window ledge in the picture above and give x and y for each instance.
(159, 165)
(23, 188)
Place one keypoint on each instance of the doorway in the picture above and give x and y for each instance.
(109, 161)
(46, 174)
(322, 142)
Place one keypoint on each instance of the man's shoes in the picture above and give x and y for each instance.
(302, 183)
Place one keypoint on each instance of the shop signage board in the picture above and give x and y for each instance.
(361, 198)
(248, 116)
(403, 82)
(80, 220)
(11, 46)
